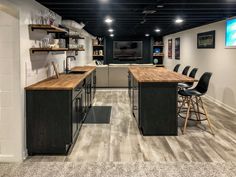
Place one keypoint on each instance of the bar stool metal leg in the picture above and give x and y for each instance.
(187, 115)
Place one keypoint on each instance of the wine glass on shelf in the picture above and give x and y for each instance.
(100, 40)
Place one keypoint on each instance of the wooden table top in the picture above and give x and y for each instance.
(157, 74)
(65, 81)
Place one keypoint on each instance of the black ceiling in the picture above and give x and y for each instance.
(128, 14)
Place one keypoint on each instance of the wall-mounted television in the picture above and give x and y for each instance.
(127, 50)
(230, 38)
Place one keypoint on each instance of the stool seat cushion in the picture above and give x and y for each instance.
(184, 85)
(189, 92)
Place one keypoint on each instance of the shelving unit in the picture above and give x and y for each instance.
(97, 48)
(158, 51)
(63, 33)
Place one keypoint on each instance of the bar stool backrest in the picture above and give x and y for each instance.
(193, 72)
(203, 83)
(176, 69)
(185, 71)
(192, 75)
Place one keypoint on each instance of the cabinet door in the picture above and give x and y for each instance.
(94, 84)
(131, 90)
(75, 117)
(88, 93)
(80, 111)
(136, 100)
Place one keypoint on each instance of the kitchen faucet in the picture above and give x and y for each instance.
(67, 70)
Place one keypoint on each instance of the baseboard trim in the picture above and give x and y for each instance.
(221, 104)
(7, 158)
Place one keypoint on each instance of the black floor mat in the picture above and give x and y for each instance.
(98, 115)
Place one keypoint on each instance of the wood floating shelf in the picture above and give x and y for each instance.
(53, 49)
(48, 49)
(98, 45)
(158, 55)
(75, 37)
(98, 55)
(48, 28)
(76, 49)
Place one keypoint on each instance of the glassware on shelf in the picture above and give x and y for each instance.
(62, 43)
(45, 42)
(101, 52)
(100, 40)
(46, 17)
(52, 17)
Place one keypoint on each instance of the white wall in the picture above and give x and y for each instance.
(84, 57)
(11, 133)
(220, 61)
(19, 68)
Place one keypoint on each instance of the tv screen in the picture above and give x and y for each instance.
(230, 38)
(127, 49)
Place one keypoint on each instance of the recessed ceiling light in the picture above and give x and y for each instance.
(179, 20)
(111, 30)
(147, 35)
(157, 30)
(160, 6)
(104, 1)
(108, 20)
(112, 35)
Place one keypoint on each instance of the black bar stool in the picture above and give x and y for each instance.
(176, 68)
(185, 71)
(188, 85)
(192, 97)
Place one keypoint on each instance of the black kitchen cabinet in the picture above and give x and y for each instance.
(53, 120)
(154, 107)
(54, 117)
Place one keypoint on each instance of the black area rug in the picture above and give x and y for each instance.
(98, 115)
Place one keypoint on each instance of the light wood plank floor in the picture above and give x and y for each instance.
(120, 141)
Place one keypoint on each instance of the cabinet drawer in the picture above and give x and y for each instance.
(77, 90)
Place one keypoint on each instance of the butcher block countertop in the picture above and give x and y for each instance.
(65, 81)
(158, 74)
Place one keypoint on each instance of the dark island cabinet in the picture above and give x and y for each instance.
(54, 117)
(154, 107)
(94, 84)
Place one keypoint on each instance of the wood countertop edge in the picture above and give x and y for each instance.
(89, 68)
(157, 81)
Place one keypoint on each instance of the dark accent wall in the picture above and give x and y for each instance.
(147, 49)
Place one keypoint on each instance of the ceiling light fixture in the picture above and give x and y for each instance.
(157, 30)
(112, 35)
(147, 35)
(179, 20)
(108, 20)
(160, 6)
(111, 30)
(104, 1)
